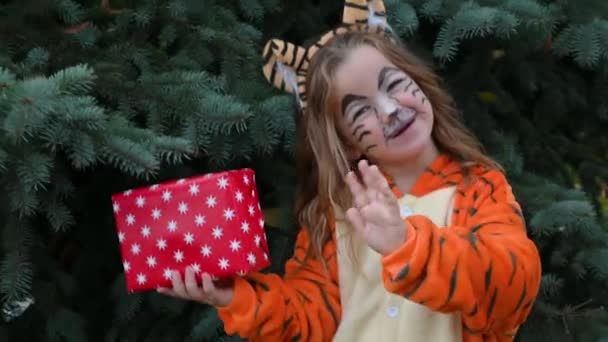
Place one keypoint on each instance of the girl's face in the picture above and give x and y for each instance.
(381, 110)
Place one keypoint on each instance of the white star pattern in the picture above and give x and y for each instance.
(241, 273)
(211, 202)
(188, 238)
(199, 220)
(145, 231)
(178, 256)
(223, 263)
(251, 258)
(183, 208)
(239, 196)
(172, 226)
(156, 214)
(211, 224)
(130, 219)
(194, 190)
(151, 261)
(228, 214)
(217, 232)
(206, 250)
(222, 183)
(168, 273)
(235, 245)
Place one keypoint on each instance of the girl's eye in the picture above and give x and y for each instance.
(394, 84)
(360, 112)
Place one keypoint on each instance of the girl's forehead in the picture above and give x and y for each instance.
(363, 72)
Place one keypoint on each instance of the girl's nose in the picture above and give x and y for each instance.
(387, 108)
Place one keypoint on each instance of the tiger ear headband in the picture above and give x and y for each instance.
(286, 64)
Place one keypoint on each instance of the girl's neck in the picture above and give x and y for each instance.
(406, 173)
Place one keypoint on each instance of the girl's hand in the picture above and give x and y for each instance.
(206, 293)
(376, 215)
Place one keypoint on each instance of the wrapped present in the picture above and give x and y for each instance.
(213, 223)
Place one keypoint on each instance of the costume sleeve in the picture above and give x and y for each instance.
(302, 306)
(484, 265)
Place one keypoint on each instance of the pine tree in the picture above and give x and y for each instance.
(100, 96)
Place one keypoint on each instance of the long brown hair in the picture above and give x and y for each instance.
(322, 161)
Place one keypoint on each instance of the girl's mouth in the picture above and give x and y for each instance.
(404, 120)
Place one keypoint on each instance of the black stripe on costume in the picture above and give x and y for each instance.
(285, 45)
(302, 60)
(353, 5)
(273, 73)
(294, 57)
(269, 52)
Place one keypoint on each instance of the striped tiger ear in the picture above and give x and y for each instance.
(285, 66)
(370, 12)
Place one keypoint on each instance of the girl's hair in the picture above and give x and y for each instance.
(322, 160)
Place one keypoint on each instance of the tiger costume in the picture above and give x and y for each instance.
(467, 271)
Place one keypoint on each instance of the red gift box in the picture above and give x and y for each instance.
(213, 223)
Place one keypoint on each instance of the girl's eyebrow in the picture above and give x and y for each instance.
(384, 72)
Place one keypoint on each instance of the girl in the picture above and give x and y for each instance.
(410, 232)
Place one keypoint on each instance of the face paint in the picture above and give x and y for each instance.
(399, 122)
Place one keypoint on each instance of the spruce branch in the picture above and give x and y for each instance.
(16, 275)
(472, 21)
(129, 156)
(34, 171)
(75, 80)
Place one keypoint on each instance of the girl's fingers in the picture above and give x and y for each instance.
(378, 188)
(208, 289)
(357, 221)
(192, 288)
(359, 194)
(178, 284)
(380, 184)
(366, 174)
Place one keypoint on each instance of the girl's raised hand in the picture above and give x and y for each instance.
(376, 214)
(206, 293)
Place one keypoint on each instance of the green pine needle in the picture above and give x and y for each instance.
(16, 276)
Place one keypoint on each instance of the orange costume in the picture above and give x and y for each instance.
(482, 267)
(466, 272)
